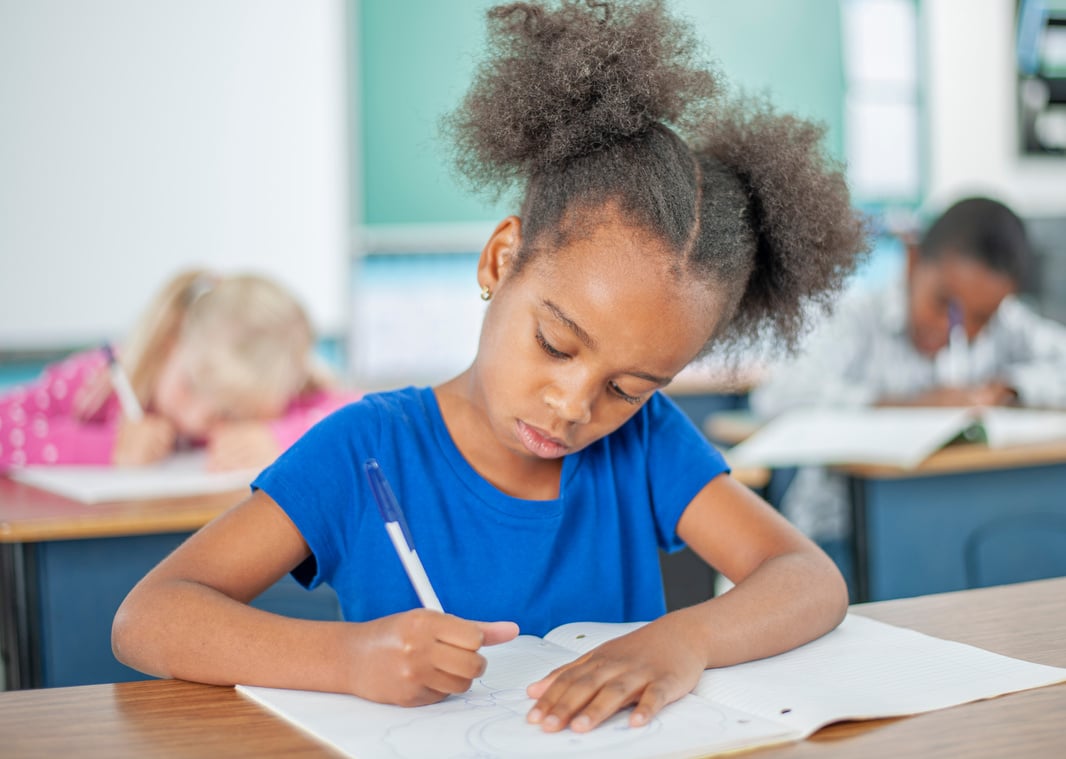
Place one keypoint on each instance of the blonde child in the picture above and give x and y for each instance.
(540, 484)
(220, 361)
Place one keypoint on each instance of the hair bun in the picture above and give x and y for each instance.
(809, 238)
(558, 83)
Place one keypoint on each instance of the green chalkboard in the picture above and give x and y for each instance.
(413, 60)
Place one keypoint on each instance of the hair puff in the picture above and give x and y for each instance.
(808, 238)
(557, 83)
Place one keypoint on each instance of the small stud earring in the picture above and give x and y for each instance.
(486, 293)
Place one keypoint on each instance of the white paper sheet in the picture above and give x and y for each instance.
(182, 474)
(891, 436)
(863, 669)
(1019, 426)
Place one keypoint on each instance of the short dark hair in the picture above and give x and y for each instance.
(583, 104)
(983, 230)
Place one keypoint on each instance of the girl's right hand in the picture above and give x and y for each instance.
(143, 442)
(418, 657)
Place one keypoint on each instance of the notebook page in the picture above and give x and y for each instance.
(868, 669)
(897, 437)
(1022, 426)
(581, 637)
(182, 474)
(489, 720)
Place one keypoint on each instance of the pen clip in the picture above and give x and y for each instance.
(386, 500)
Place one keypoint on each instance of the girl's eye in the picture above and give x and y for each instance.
(547, 347)
(623, 395)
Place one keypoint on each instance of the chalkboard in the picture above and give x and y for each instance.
(415, 58)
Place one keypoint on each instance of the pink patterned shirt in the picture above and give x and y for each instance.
(39, 425)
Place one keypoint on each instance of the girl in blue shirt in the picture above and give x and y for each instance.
(541, 482)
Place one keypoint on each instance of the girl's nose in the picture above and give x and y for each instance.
(571, 406)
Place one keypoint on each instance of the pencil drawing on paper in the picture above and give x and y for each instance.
(486, 723)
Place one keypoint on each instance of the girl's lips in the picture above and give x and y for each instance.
(539, 443)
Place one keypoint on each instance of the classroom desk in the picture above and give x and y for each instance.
(180, 719)
(968, 516)
(65, 567)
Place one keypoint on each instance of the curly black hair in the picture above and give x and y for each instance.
(584, 104)
(984, 230)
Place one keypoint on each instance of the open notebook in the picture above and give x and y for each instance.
(890, 436)
(182, 474)
(863, 669)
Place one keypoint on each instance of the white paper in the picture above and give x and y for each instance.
(890, 436)
(489, 720)
(1019, 426)
(864, 668)
(867, 669)
(180, 475)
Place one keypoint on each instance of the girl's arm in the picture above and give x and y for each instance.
(189, 618)
(787, 593)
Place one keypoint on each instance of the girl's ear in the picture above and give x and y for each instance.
(498, 253)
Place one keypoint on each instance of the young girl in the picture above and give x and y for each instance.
(223, 361)
(540, 484)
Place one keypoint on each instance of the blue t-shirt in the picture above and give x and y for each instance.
(589, 555)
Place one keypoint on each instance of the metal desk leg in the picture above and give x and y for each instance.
(19, 616)
(859, 538)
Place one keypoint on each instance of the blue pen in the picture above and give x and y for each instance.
(396, 526)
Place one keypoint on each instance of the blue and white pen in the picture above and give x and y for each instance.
(131, 407)
(396, 526)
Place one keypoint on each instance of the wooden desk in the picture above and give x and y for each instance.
(968, 516)
(65, 567)
(179, 719)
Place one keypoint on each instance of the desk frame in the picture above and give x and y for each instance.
(65, 566)
(944, 501)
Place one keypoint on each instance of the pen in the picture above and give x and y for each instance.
(396, 526)
(131, 407)
(957, 346)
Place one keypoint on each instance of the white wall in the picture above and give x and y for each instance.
(970, 98)
(141, 136)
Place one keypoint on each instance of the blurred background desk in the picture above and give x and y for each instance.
(968, 516)
(65, 567)
(175, 718)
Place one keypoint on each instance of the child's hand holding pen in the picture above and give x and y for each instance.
(142, 438)
(150, 439)
(995, 393)
(421, 656)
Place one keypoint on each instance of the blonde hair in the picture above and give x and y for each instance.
(241, 332)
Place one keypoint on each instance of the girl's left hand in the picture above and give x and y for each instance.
(650, 667)
(241, 445)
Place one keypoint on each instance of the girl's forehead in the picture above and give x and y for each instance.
(618, 287)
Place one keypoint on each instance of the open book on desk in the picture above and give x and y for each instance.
(863, 669)
(901, 437)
